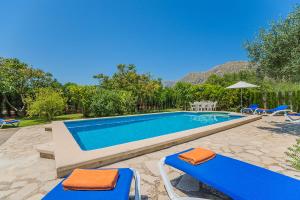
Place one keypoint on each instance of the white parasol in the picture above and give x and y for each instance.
(241, 85)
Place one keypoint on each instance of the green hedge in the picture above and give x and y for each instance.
(273, 99)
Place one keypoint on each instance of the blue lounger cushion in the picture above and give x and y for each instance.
(240, 180)
(253, 107)
(120, 192)
(278, 108)
(10, 121)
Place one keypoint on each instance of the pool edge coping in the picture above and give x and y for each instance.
(68, 154)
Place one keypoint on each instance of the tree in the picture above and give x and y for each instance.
(276, 51)
(72, 92)
(142, 86)
(47, 103)
(80, 96)
(86, 98)
(19, 79)
(184, 94)
(128, 102)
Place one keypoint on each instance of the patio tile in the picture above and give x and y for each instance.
(36, 197)
(18, 184)
(4, 194)
(152, 167)
(25, 192)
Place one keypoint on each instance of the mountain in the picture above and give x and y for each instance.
(168, 83)
(229, 67)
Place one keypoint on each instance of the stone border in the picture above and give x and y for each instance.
(46, 150)
(68, 154)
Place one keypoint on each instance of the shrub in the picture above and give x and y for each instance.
(258, 98)
(128, 101)
(280, 98)
(294, 101)
(80, 97)
(46, 103)
(287, 98)
(294, 155)
(184, 94)
(271, 100)
(112, 102)
(86, 94)
(298, 101)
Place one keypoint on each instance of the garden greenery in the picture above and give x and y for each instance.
(112, 102)
(294, 155)
(143, 87)
(46, 103)
(18, 80)
(79, 97)
(276, 51)
(127, 92)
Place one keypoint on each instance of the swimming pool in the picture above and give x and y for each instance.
(99, 133)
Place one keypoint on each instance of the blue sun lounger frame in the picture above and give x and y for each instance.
(289, 118)
(120, 192)
(239, 180)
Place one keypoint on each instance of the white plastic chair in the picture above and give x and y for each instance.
(193, 106)
(215, 105)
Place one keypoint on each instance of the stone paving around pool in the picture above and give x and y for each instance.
(24, 175)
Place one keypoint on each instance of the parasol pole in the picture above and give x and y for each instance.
(241, 97)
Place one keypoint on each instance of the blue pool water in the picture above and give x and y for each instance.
(99, 133)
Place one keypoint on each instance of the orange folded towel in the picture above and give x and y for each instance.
(197, 156)
(82, 179)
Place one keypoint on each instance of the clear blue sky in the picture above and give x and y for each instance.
(168, 38)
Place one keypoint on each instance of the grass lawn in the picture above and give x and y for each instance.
(30, 122)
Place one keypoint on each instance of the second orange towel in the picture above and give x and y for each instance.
(82, 179)
(197, 156)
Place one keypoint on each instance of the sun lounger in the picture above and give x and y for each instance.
(120, 192)
(239, 180)
(12, 122)
(252, 108)
(274, 111)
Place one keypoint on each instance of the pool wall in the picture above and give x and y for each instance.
(68, 154)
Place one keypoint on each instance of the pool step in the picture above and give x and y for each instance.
(46, 150)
